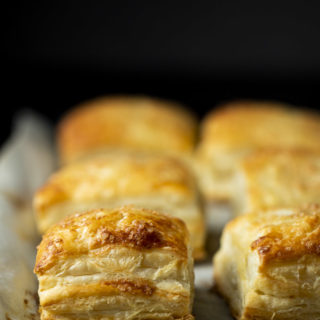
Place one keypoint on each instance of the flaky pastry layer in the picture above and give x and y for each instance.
(268, 266)
(275, 178)
(235, 130)
(155, 182)
(136, 123)
(126, 263)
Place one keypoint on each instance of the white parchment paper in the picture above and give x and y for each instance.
(26, 160)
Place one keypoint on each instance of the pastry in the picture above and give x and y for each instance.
(107, 264)
(150, 181)
(268, 266)
(134, 123)
(274, 178)
(239, 128)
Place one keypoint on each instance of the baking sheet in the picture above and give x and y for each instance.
(26, 160)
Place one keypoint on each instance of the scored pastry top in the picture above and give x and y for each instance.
(94, 232)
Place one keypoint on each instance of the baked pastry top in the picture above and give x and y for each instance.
(268, 266)
(116, 176)
(136, 123)
(247, 124)
(236, 129)
(273, 178)
(94, 231)
(155, 182)
(124, 263)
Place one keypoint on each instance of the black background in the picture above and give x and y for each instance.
(199, 52)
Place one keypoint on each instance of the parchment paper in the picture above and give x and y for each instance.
(26, 160)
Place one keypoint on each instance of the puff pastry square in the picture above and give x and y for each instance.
(124, 263)
(135, 123)
(155, 182)
(235, 130)
(268, 266)
(273, 178)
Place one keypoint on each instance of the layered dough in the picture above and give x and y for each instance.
(268, 266)
(155, 182)
(273, 178)
(237, 129)
(124, 263)
(135, 123)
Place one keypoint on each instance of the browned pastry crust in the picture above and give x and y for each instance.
(103, 229)
(136, 123)
(124, 263)
(273, 178)
(238, 128)
(149, 181)
(268, 266)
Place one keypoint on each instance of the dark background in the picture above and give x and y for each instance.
(199, 52)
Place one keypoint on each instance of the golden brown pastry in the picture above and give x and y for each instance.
(124, 263)
(136, 123)
(268, 266)
(273, 178)
(238, 128)
(155, 182)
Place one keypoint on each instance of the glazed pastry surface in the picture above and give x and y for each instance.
(273, 178)
(155, 182)
(124, 263)
(235, 130)
(137, 123)
(268, 266)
